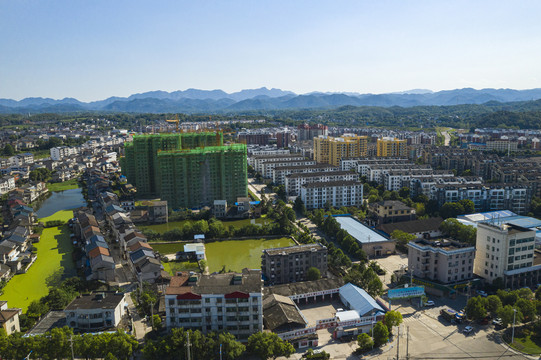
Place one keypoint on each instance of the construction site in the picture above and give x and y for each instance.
(188, 170)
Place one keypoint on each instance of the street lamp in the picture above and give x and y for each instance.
(513, 332)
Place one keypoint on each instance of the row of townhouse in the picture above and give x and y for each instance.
(134, 248)
(16, 245)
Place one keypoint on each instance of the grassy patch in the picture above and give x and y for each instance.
(165, 249)
(54, 253)
(62, 186)
(172, 266)
(526, 341)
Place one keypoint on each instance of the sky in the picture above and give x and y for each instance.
(91, 50)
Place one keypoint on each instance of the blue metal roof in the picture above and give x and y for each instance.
(360, 232)
(358, 299)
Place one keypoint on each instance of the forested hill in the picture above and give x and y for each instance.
(265, 100)
(524, 115)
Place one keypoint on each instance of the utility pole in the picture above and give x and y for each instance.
(152, 313)
(188, 345)
(220, 351)
(71, 345)
(513, 334)
(398, 343)
(407, 343)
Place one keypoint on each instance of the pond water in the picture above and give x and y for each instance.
(239, 254)
(161, 228)
(63, 200)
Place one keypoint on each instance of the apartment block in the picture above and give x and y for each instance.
(294, 182)
(279, 174)
(502, 248)
(258, 161)
(445, 261)
(391, 147)
(229, 302)
(308, 132)
(336, 193)
(197, 177)
(291, 264)
(331, 150)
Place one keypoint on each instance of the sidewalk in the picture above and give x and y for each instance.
(139, 327)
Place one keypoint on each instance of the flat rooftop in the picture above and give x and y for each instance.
(360, 232)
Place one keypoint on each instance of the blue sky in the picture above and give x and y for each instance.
(91, 50)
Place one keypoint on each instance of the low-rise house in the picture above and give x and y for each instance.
(95, 312)
(389, 211)
(9, 318)
(422, 229)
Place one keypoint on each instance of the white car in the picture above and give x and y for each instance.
(468, 329)
(429, 303)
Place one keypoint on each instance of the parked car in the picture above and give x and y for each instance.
(484, 321)
(468, 329)
(429, 303)
(482, 293)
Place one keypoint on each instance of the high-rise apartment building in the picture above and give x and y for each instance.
(187, 170)
(391, 147)
(308, 132)
(197, 177)
(331, 150)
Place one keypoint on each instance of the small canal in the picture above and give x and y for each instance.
(61, 200)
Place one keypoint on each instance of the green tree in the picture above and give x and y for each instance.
(475, 308)
(506, 314)
(365, 342)
(298, 206)
(231, 348)
(313, 273)
(8, 150)
(526, 308)
(381, 334)
(494, 304)
(392, 318)
(268, 346)
(402, 239)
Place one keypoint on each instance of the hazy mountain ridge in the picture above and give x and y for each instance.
(195, 100)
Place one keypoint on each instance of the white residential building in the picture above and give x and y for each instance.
(501, 248)
(337, 194)
(294, 182)
(229, 302)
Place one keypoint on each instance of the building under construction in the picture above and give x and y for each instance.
(186, 169)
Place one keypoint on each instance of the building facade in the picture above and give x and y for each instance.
(96, 311)
(501, 248)
(331, 150)
(291, 264)
(318, 195)
(391, 147)
(441, 260)
(229, 302)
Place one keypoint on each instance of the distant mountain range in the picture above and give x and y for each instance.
(218, 101)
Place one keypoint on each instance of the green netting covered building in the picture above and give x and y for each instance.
(187, 170)
(197, 177)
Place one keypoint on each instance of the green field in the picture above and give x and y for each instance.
(239, 254)
(172, 266)
(161, 228)
(234, 254)
(54, 253)
(61, 186)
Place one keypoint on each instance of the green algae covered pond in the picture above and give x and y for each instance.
(234, 254)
